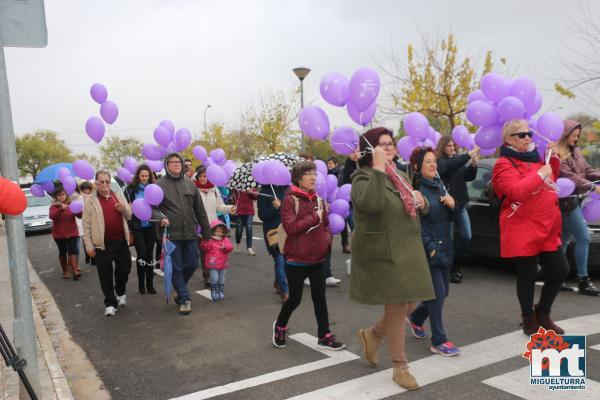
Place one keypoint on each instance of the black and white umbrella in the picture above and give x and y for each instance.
(242, 178)
(286, 158)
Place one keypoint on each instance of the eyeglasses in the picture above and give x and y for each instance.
(103, 182)
(310, 173)
(173, 162)
(386, 144)
(522, 135)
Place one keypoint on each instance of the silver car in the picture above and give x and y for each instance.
(35, 216)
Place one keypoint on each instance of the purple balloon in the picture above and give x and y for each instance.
(331, 196)
(523, 89)
(257, 173)
(541, 149)
(332, 182)
(321, 167)
(216, 175)
(494, 86)
(594, 196)
(152, 152)
(510, 108)
(551, 126)
(229, 168)
(162, 136)
(83, 169)
(125, 175)
(487, 152)
(489, 137)
(76, 206)
(63, 172)
(364, 88)
(341, 207)
(566, 187)
(37, 190)
(48, 186)
(344, 140)
(154, 165)
(218, 156)
(141, 209)
(436, 138)
(169, 125)
(200, 153)
(416, 126)
(362, 118)
(109, 112)
(535, 105)
(321, 185)
(532, 123)
(336, 223)
(130, 164)
(344, 192)
(69, 184)
(591, 211)
(276, 173)
(335, 89)
(481, 113)
(476, 95)
(471, 144)
(153, 194)
(99, 93)
(314, 122)
(183, 137)
(95, 129)
(460, 135)
(405, 147)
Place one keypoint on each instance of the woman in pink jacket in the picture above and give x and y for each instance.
(216, 258)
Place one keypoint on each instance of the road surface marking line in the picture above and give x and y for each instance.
(435, 368)
(204, 293)
(517, 383)
(596, 347)
(333, 358)
(159, 272)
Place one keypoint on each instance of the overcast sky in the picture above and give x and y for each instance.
(168, 59)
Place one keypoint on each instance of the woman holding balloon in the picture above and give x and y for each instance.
(65, 232)
(144, 232)
(574, 167)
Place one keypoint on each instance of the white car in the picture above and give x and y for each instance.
(35, 216)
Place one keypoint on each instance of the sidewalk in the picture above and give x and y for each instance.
(52, 379)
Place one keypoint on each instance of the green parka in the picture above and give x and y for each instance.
(389, 265)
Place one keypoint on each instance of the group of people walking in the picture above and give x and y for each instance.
(397, 210)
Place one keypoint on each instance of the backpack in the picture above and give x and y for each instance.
(493, 199)
(281, 233)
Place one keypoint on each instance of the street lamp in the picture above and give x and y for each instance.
(206, 108)
(301, 73)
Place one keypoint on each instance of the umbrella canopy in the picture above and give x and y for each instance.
(286, 158)
(50, 173)
(165, 262)
(242, 178)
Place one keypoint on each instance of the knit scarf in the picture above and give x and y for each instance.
(206, 185)
(404, 188)
(311, 196)
(526, 156)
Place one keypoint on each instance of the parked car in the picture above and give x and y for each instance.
(486, 232)
(35, 216)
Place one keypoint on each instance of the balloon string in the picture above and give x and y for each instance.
(275, 195)
(441, 182)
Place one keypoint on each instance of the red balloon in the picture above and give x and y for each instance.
(12, 200)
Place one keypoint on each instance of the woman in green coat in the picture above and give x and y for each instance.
(389, 265)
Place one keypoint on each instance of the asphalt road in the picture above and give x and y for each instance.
(149, 351)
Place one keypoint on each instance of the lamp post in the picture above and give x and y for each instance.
(301, 73)
(206, 108)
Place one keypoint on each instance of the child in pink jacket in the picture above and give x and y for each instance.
(216, 258)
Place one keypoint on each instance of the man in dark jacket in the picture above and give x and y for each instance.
(180, 213)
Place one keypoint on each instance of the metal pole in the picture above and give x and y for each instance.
(24, 329)
(301, 107)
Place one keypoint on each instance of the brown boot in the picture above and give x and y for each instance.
(370, 343)
(543, 318)
(530, 324)
(64, 266)
(403, 378)
(74, 264)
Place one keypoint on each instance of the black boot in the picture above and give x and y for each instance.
(150, 279)
(140, 275)
(87, 259)
(587, 287)
(455, 273)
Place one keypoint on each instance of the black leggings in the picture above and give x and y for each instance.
(70, 246)
(556, 269)
(295, 277)
(144, 245)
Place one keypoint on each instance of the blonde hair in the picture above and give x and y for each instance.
(564, 152)
(511, 127)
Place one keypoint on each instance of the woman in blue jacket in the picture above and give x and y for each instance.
(435, 232)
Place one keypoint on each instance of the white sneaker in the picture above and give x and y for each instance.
(237, 248)
(110, 311)
(331, 281)
(306, 282)
(251, 252)
(122, 300)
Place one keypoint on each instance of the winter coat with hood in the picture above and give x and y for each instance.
(576, 167)
(268, 214)
(455, 174)
(216, 249)
(213, 202)
(530, 220)
(244, 202)
(182, 205)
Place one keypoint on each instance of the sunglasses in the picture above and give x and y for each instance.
(522, 135)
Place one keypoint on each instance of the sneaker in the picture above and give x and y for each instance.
(307, 282)
(122, 300)
(185, 308)
(417, 331)
(447, 349)
(251, 252)
(328, 342)
(279, 335)
(110, 311)
(236, 249)
(331, 281)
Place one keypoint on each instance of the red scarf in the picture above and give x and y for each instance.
(296, 190)
(403, 188)
(207, 185)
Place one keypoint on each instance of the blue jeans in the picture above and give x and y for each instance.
(217, 276)
(440, 277)
(185, 262)
(241, 222)
(574, 225)
(461, 243)
(278, 265)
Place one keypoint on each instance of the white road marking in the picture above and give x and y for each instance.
(159, 272)
(204, 293)
(435, 368)
(517, 383)
(333, 358)
(575, 289)
(596, 347)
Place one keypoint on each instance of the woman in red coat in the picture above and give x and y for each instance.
(530, 221)
(65, 233)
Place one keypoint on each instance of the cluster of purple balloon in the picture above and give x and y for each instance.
(418, 134)
(142, 208)
(344, 140)
(108, 111)
(130, 165)
(218, 168)
(591, 208)
(271, 172)
(168, 141)
(337, 197)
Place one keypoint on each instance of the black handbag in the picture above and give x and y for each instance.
(568, 204)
